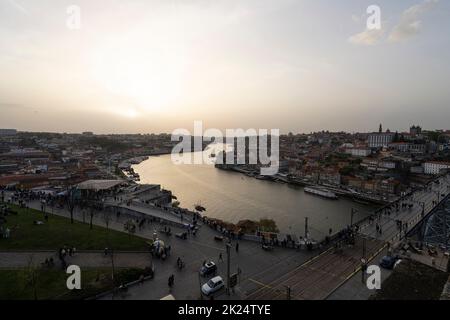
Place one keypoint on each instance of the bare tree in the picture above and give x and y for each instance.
(91, 215)
(71, 202)
(31, 276)
(107, 219)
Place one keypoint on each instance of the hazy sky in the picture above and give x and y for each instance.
(153, 66)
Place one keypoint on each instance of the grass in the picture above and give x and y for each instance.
(58, 231)
(51, 283)
(412, 281)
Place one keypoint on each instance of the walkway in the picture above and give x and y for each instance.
(320, 277)
(11, 260)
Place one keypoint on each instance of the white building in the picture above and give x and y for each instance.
(358, 152)
(380, 140)
(435, 167)
(8, 132)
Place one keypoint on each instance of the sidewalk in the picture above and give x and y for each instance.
(12, 260)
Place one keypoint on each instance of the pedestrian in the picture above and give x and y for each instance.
(220, 257)
(237, 247)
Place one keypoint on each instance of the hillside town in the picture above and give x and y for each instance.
(379, 164)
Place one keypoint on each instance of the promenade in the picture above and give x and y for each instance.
(250, 259)
(322, 276)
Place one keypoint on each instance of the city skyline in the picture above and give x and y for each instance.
(151, 67)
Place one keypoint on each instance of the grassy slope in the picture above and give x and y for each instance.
(59, 232)
(51, 284)
(413, 281)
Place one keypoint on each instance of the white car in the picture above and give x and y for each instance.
(213, 285)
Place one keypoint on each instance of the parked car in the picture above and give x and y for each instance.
(388, 262)
(182, 235)
(213, 285)
(209, 268)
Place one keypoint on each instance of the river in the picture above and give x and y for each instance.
(232, 196)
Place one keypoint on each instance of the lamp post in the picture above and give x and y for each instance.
(353, 211)
(228, 247)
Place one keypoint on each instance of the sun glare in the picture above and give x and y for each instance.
(150, 77)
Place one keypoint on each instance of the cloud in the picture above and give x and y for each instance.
(410, 23)
(367, 37)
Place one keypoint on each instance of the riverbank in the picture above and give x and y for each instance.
(357, 197)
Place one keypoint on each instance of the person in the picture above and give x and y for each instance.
(220, 257)
(178, 261)
(237, 246)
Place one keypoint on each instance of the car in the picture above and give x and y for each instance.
(181, 235)
(213, 285)
(209, 268)
(388, 262)
(397, 263)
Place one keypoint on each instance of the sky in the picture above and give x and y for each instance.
(145, 66)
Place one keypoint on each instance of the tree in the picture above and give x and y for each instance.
(91, 215)
(71, 201)
(130, 227)
(396, 137)
(107, 219)
(31, 277)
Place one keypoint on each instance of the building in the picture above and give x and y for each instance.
(358, 152)
(378, 165)
(380, 140)
(8, 132)
(417, 170)
(435, 167)
(417, 148)
(415, 130)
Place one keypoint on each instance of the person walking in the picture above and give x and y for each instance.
(237, 247)
(220, 257)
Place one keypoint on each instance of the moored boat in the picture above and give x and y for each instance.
(321, 192)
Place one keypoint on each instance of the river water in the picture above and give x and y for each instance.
(232, 196)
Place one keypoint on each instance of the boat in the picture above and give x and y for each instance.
(321, 192)
(200, 208)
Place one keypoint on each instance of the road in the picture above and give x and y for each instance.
(319, 278)
(265, 275)
(251, 259)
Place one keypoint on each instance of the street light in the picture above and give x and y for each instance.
(353, 211)
(228, 247)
